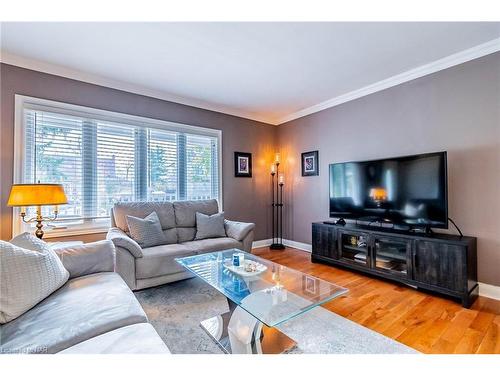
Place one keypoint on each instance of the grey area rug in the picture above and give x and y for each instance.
(175, 310)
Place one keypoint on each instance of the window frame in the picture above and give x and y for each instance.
(23, 102)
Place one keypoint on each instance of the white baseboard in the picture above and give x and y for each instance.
(269, 241)
(261, 243)
(490, 291)
(298, 245)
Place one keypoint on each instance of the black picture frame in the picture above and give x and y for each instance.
(310, 163)
(242, 164)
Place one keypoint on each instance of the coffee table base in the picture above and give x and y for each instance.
(237, 332)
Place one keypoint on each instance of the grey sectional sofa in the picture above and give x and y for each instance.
(147, 267)
(94, 312)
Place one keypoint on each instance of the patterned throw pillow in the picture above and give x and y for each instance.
(27, 276)
(146, 232)
(210, 226)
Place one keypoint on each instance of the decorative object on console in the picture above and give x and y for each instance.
(277, 204)
(242, 164)
(310, 163)
(24, 195)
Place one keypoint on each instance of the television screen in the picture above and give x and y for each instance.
(408, 190)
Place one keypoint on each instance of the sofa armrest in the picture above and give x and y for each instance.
(121, 239)
(238, 230)
(88, 258)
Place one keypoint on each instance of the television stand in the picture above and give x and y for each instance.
(442, 263)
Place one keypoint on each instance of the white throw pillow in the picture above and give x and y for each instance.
(27, 276)
(28, 241)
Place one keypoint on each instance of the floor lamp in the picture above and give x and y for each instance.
(277, 204)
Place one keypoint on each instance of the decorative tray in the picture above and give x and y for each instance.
(258, 268)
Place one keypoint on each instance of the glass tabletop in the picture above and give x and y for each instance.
(273, 296)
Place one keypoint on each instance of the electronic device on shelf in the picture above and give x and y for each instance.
(409, 191)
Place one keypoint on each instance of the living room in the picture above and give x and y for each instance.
(250, 187)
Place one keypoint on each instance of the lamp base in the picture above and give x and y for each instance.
(39, 226)
(277, 246)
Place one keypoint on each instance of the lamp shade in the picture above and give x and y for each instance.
(36, 195)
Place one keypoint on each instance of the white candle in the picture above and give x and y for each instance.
(282, 178)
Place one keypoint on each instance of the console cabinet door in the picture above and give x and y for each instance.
(324, 241)
(440, 264)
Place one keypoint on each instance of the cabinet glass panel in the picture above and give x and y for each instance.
(391, 255)
(354, 247)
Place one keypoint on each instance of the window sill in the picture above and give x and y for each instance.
(68, 232)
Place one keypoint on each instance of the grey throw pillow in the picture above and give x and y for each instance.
(146, 232)
(209, 226)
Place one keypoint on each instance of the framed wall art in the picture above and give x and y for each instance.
(310, 163)
(242, 164)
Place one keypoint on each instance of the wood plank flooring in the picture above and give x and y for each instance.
(425, 322)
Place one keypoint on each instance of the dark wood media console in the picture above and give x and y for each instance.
(441, 263)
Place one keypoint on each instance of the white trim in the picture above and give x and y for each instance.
(294, 244)
(261, 243)
(26, 102)
(489, 291)
(78, 75)
(74, 231)
(298, 245)
(455, 59)
(447, 62)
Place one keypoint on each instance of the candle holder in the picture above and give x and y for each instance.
(277, 205)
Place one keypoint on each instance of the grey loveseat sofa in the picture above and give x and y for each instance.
(156, 265)
(94, 312)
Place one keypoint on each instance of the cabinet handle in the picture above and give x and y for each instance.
(414, 260)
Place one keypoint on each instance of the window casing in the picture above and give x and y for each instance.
(104, 157)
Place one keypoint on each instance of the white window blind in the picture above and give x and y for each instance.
(101, 162)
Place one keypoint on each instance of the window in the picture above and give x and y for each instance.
(102, 158)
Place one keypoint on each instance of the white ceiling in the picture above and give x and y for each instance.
(271, 72)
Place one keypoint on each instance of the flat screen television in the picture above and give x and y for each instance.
(405, 191)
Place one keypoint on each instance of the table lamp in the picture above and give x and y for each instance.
(23, 195)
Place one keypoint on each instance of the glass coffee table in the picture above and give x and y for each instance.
(258, 301)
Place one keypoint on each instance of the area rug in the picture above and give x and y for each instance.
(175, 310)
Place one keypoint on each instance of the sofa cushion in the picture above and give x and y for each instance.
(146, 232)
(185, 234)
(185, 211)
(88, 258)
(160, 260)
(27, 276)
(164, 210)
(123, 341)
(83, 308)
(213, 244)
(209, 226)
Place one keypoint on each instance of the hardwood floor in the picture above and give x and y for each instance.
(425, 322)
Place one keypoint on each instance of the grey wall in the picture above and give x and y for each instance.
(456, 109)
(244, 198)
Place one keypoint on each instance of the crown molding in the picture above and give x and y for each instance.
(78, 75)
(447, 62)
